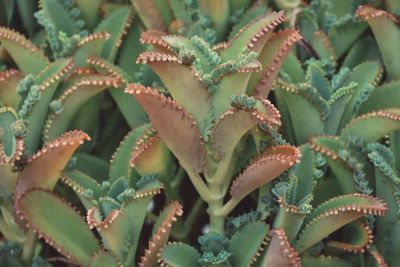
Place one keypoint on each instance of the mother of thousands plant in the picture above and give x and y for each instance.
(194, 128)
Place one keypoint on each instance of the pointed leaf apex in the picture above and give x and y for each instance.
(161, 235)
(280, 252)
(93, 222)
(279, 17)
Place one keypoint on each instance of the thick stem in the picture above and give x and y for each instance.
(217, 220)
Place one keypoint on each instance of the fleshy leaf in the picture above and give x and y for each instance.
(271, 58)
(103, 259)
(387, 32)
(117, 23)
(379, 98)
(70, 236)
(179, 255)
(306, 107)
(149, 14)
(254, 235)
(254, 35)
(89, 11)
(115, 230)
(175, 126)
(81, 183)
(9, 81)
(271, 163)
(379, 123)
(335, 213)
(72, 99)
(356, 237)
(121, 158)
(150, 155)
(187, 90)
(26, 55)
(48, 80)
(234, 123)
(324, 261)
(280, 253)
(160, 237)
(90, 46)
(329, 146)
(44, 168)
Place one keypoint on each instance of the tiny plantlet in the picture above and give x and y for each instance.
(199, 133)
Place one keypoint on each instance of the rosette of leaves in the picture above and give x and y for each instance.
(116, 207)
(201, 135)
(20, 175)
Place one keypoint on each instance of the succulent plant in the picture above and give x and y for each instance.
(178, 98)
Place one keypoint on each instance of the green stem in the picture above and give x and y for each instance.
(200, 186)
(217, 220)
(29, 247)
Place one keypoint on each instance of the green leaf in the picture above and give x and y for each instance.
(253, 36)
(323, 46)
(272, 57)
(354, 237)
(306, 107)
(187, 90)
(89, 11)
(90, 46)
(343, 36)
(72, 99)
(121, 158)
(175, 126)
(117, 23)
(136, 210)
(233, 124)
(47, 80)
(387, 33)
(81, 183)
(92, 166)
(252, 236)
(43, 169)
(365, 48)
(103, 259)
(330, 147)
(9, 81)
(180, 255)
(366, 75)
(379, 123)
(162, 228)
(70, 236)
(324, 261)
(59, 16)
(29, 58)
(267, 167)
(385, 96)
(335, 213)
